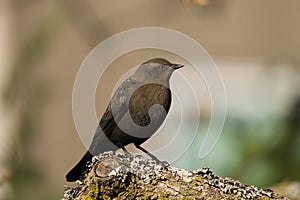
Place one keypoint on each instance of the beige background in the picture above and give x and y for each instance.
(243, 37)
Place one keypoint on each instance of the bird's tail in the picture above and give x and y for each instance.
(100, 144)
(78, 171)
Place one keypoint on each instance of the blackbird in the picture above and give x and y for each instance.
(135, 112)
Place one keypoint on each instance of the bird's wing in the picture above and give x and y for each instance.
(117, 108)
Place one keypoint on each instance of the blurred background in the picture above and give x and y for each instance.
(254, 43)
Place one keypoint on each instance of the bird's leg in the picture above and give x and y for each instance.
(122, 147)
(165, 164)
(147, 152)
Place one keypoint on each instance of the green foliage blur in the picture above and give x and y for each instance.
(262, 153)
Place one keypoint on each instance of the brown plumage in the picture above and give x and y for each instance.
(136, 110)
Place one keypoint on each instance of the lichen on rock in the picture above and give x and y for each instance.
(123, 176)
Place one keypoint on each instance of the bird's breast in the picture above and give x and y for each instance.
(149, 104)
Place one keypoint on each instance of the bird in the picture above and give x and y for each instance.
(135, 112)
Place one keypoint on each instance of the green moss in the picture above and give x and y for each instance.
(154, 182)
(93, 193)
(163, 195)
(148, 195)
(266, 198)
(198, 181)
(88, 198)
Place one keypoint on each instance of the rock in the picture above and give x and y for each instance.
(123, 176)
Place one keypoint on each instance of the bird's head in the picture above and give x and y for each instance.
(157, 69)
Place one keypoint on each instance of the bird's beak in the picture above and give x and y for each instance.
(176, 66)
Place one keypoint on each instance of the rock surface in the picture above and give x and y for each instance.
(122, 176)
